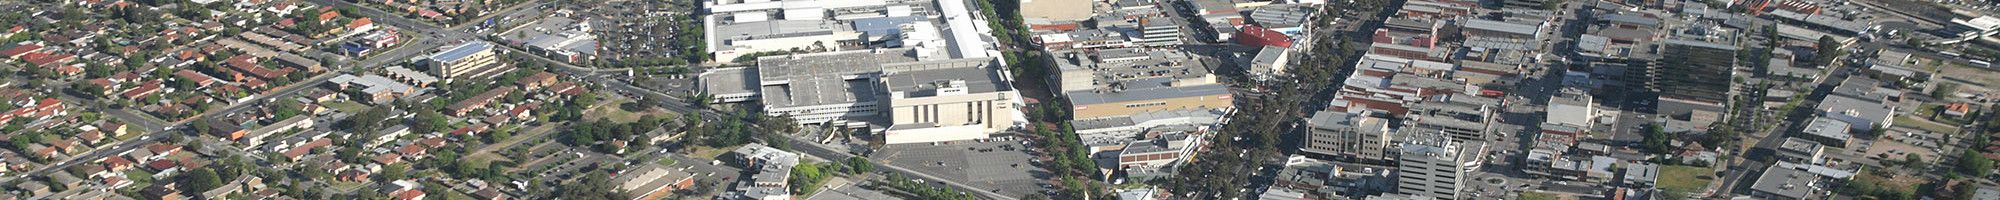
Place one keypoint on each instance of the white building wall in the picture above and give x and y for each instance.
(934, 134)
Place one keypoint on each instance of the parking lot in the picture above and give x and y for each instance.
(985, 165)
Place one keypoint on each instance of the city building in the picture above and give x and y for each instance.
(1828, 131)
(836, 88)
(926, 99)
(773, 167)
(1692, 86)
(470, 61)
(948, 100)
(1141, 97)
(1269, 63)
(1349, 135)
(1572, 106)
(372, 89)
(1145, 157)
(1641, 175)
(1791, 181)
(1798, 150)
(1160, 31)
(1433, 165)
(1862, 103)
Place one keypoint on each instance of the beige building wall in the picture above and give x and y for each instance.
(471, 63)
(989, 110)
(1126, 108)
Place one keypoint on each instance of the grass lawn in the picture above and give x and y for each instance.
(343, 186)
(1679, 179)
(519, 135)
(347, 107)
(615, 111)
(1927, 125)
(139, 176)
(667, 161)
(704, 152)
(457, 195)
(1889, 180)
(1927, 110)
(1538, 196)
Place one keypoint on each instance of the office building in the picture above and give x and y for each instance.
(1160, 31)
(1695, 71)
(1433, 165)
(470, 61)
(1349, 135)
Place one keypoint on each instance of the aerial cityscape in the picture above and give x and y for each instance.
(1000, 99)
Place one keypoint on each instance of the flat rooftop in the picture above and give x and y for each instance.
(1827, 127)
(462, 50)
(1057, 10)
(777, 29)
(819, 91)
(1087, 98)
(729, 81)
(1799, 145)
(1786, 182)
(779, 69)
(978, 78)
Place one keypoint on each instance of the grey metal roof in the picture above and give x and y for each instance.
(1491, 25)
(978, 79)
(1281, 15)
(776, 29)
(776, 69)
(884, 25)
(1630, 19)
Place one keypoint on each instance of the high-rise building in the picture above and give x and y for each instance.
(1695, 71)
(1349, 135)
(1433, 165)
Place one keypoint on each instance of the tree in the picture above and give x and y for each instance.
(806, 178)
(203, 179)
(395, 172)
(201, 125)
(1974, 164)
(1656, 139)
(285, 109)
(431, 121)
(1913, 161)
(860, 164)
(1829, 49)
(368, 121)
